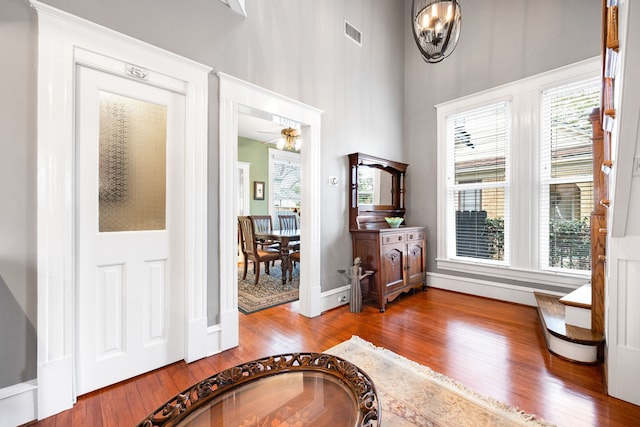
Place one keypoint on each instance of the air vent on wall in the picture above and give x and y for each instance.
(353, 33)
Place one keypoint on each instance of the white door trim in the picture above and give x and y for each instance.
(246, 167)
(234, 93)
(64, 41)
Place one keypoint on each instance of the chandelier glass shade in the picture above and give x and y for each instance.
(289, 140)
(436, 27)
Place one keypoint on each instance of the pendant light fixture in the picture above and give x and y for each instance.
(436, 27)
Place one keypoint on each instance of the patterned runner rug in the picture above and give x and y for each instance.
(414, 395)
(269, 291)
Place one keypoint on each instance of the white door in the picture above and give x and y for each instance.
(129, 237)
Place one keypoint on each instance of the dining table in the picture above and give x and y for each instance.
(284, 237)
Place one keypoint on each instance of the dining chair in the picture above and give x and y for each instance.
(251, 251)
(264, 223)
(290, 222)
(294, 257)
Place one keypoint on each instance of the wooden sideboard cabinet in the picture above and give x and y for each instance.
(397, 256)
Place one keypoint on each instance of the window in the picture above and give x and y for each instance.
(284, 180)
(567, 174)
(477, 142)
(515, 177)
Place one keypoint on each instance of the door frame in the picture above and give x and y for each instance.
(246, 167)
(246, 203)
(237, 94)
(64, 42)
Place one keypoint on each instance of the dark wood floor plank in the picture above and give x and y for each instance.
(79, 414)
(93, 408)
(129, 405)
(137, 404)
(496, 348)
(152, 388)
(115, 407)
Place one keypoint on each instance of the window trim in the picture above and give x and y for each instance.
(525, 101)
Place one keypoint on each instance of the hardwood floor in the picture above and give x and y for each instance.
(496, 348)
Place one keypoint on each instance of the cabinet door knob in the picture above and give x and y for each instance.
(399, 238)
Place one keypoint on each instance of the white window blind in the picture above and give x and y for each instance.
(566, 175)
(285, 181)
(477, 142)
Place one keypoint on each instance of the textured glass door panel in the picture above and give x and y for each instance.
(132, 163)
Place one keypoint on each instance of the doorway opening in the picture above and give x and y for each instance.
(274, 204)
(239, 97)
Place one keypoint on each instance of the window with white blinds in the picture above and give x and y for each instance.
(477, 156)
(566, 174)
(515, 178)
(284, 180)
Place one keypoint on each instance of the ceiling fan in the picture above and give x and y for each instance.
(288, 140)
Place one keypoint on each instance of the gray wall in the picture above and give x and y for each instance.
(500, 42)
(17, 341)
(257, 154)
(17, 192)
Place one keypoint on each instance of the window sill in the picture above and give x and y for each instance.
(561, 279)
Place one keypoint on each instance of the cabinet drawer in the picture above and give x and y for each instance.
(412, 236)
(392, 238)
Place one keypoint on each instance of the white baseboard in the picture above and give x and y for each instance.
(485, 288)
(18, 404)
(213, 340)
(56, 387)
(229, 330)
(196, 340)
(334, 298)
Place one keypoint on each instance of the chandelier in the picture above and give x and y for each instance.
(289, 140)
(436, 27)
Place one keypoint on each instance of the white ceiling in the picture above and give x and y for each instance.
(256, 128)
(262, 126)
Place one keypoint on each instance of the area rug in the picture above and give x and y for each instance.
(269, 291)
(414, 395)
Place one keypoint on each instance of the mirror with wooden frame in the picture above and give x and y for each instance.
(377, 188)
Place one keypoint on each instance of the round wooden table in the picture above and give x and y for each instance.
(310, 389)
